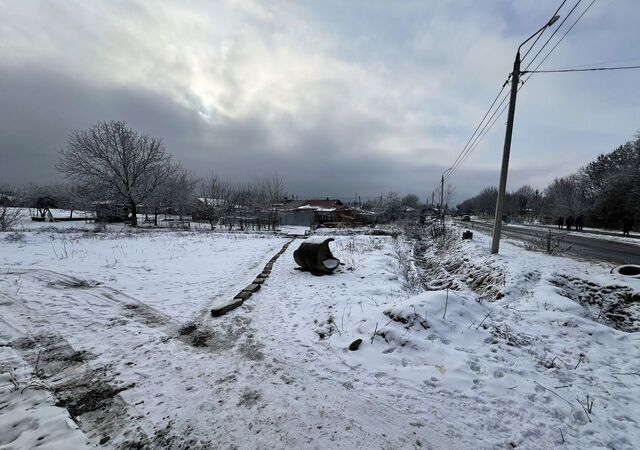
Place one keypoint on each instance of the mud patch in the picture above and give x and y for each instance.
(227, 336)
(200, 338)
(23, 343)
(146, 315)
(617, 306)
(49, 354)
(90, 394)
(188, 328)
(249, 398)
(251, 349)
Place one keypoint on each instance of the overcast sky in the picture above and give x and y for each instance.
(337, 97)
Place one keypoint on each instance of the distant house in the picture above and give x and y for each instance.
(204, 209)
(309, 212)
(326, 204)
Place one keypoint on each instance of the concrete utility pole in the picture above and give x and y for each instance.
(502, 186)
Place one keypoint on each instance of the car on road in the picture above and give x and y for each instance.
(466, 218)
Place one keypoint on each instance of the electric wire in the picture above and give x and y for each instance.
(462, 158)
(615, 61)
(529, 76)
(560, 40)
(465, 153)
(545, 29)
(590, 69)
(554, 33)
(478, 127)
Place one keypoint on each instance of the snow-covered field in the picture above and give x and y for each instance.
(459, 350)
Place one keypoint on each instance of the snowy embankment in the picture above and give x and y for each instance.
(458, 349)
(557, 354)
(509, 357)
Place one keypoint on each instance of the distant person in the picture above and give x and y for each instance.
(627, 224)
(579, 223)
(569, 223)
(560, 222)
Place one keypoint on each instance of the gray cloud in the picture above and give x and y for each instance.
(336, 98)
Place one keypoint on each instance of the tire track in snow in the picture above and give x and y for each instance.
(87, 390)
(131, 308)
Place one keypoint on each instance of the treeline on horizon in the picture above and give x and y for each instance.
(604, 192)
(111, 163)
(177, 196)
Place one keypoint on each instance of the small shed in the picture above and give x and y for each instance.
(309, 212)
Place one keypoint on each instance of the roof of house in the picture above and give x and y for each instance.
(316, 205)
(207, 201)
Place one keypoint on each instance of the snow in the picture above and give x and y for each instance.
(458, 350)
(315, 208)
(26, 224)
(317, 239)
(294, 230)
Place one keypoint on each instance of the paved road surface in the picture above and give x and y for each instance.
(586, 246)
(585, 231)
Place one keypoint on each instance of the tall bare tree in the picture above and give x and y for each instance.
(524, 197)
(272, 195)
(117, 161)
(211, 199)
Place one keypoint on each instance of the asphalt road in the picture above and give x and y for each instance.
(585, 246)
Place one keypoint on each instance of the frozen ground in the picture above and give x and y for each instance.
(459, 350)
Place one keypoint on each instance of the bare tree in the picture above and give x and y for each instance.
(411, 200)
(272, 190)
(563, 196)
(392, 207)
(449, 190)
(9, 215)
(174, 196)
(125, 165)
(483, 203)
(524, 197)
(211, 199)
(229, 196)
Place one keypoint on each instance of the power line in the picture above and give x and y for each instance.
(477, 140)
(489, 124)
(561, 38)
(460, 155)
(554, 32)
(540, 35)
(590, 69)
(487, 129)
(476, 137)
(615, 61)
(550, 51)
